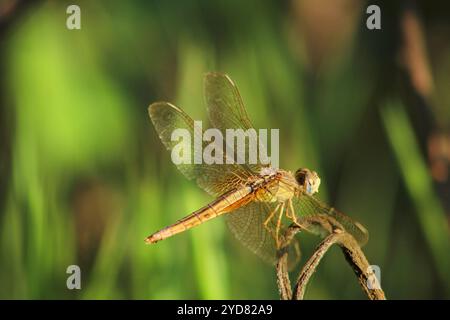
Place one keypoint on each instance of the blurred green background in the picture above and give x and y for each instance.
(84, 178)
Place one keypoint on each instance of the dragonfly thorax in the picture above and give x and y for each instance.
(268, 171)
(275, 185)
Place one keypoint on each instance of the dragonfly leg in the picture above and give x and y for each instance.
(292, 216)
(288, 213)
(268, 219)
(277, 230)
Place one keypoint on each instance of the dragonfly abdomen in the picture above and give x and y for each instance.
(226, 203)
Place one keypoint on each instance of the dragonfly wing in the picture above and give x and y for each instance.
(247, 225)
(224, 103)
(226, 109)
(216, 179)
(307, 206)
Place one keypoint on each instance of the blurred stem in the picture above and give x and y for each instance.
(419, 185)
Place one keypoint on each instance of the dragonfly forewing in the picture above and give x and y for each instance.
(226, 111)
(216, 179)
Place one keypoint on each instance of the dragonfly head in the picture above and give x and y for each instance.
(308, 179)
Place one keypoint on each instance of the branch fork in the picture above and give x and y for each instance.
(352, 253)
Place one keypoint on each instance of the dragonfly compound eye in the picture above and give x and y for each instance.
(309, 180)
(301, 176)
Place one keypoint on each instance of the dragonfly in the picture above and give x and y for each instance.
(258, 201)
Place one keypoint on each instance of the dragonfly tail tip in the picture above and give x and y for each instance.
(148, 240)
(151, 239)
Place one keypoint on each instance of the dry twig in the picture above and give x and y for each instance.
(352, 252)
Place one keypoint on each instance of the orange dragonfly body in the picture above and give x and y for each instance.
(259, 201)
